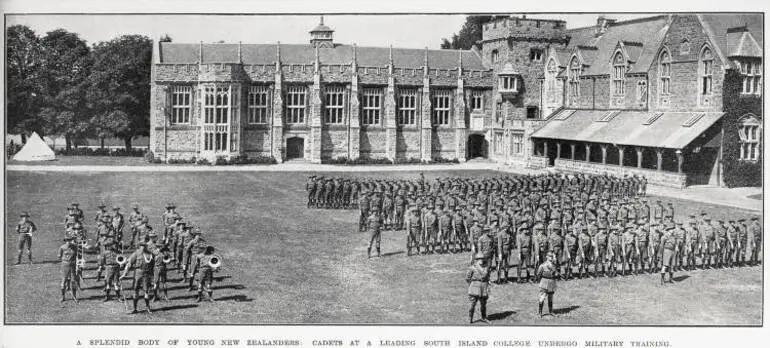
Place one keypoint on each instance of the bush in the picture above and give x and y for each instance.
(85, 151)
(743, 174)
(182, 161)
(149, 157)
(384, 161)
(443, 160)
(203, 161)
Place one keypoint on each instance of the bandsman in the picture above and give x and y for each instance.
(168, 220)
(141, 262)
(108, 263)
(67, 253)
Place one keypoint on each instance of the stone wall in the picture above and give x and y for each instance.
(408, 143)
(372, 142)
(256, 141)
(443, 143)
(655, 177)
(334, 142)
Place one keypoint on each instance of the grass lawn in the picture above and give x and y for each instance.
(284, 263)
(85, 160)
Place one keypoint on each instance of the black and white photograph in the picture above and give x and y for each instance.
(458, 169)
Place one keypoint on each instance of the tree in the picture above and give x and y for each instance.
(24, 66)
(468, 35)
(119, 87)
(66, 64)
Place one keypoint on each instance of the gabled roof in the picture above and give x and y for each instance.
(181, 53)
(732, 42)
(644, 36)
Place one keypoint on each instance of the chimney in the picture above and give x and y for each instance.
(602, 24)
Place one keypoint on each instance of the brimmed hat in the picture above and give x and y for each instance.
(479, 256)
(101, 205)
(115, 207)
(24, 214)
(170, 205)
(68, 238)
(135, 207)
(75, 204)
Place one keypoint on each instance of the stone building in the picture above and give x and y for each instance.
(647, 96)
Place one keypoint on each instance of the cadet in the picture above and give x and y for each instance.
(363, 206)
(183, 238)
(556, 246)
(732, 232)
(614, 248)
(681, 236)
(755, 240)
(486, 245)
(643, 245)
(477, 278)
(134, 221)
(540, 242)
(547, 273)
(413, 230)
(310, 187)
(740, 253)
(444, 230)
(100, 213)
(168, 220)
(67, 255)
(692, 243)
(600, 255)
(721, 242)
(117, 226)
(77, 211)
(574, 253)
(708, 239)
(24, 229)
(374, 227)
(206, 276)
(141, 262)
(70, 219)
(523, 249)
(630, 249)
(670, 248)
(161, 258)
(459, 235)
(503, 243)
(430, 232)
(475, 233)
(400, 207)
(108, 263)
(655, 236)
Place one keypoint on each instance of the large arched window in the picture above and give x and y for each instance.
(550, 76)
(574, 80)
(706, 71)
(618, 74)
(665, 73)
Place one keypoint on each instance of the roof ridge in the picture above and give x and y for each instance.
(624, 22)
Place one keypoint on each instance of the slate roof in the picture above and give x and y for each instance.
(736, 43)
(182, 53)
(669, 130)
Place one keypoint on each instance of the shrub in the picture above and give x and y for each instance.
(85, 151)
(742, 174)
(149, 156)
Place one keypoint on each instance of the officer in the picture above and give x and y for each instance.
(141, 262)
(547, 272)
(413, 230)
(108, 264)
(67, 253)
(24, 230)
(117, 226)
(755, 240)
(477, 278)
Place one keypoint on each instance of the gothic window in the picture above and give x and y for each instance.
(517, 143)
(665, 73)
(442, 107)
(258, 101)
(181, 104)
(296, 104)
(495, 56)
(574, 80)
(407, 107)
(550, 75)
(334, 105)
(216, 104)
(536, 54)
(751, 74)
(706, 71)
(749, 131)
(371, 104)
(618, 74)
(499, 143)
(641, 93)
(477, 100)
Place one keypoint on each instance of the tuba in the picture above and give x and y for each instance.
(121, 260)
(215, 262)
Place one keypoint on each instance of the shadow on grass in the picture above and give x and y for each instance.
(565, 310)
(236, 298)
(174, 307)
(230, 286)
(501, 315)
(680, 278)
(392, 253)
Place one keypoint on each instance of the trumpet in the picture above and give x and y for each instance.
(121, 260)
(215, 262)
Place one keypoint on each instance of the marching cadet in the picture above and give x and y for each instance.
(161, 258)
(477, 278)
(524, 248)
(24, 230)
(670, 247)
(708, 239)
(413, 230)
(134, 221)
(70, 219)
(630, 249)
(374, 227)
(363, 207)
(108, 263)
(117, 226)
(574, 252)
(444, 230)
(754, 240)
(740, 253)
(141, 262)
(503, 243)
(67, 253)
(547, 273)
(206, 274)
(430, 232)
(168, 220)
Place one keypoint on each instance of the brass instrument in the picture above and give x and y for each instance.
(167, 258)
(121, 260)
(215, 262)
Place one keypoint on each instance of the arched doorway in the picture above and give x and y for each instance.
(295, 148)
(477, 146)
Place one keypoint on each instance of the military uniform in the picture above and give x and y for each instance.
(670, 247)
(141, 262)
(503, 243)
(24, 230)
(108, 264)
(169, 219)
(118, 222)
(547, 272)
(413, 230)
(67, 253)
(374, 227)
(477, 278)
(755, 240)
